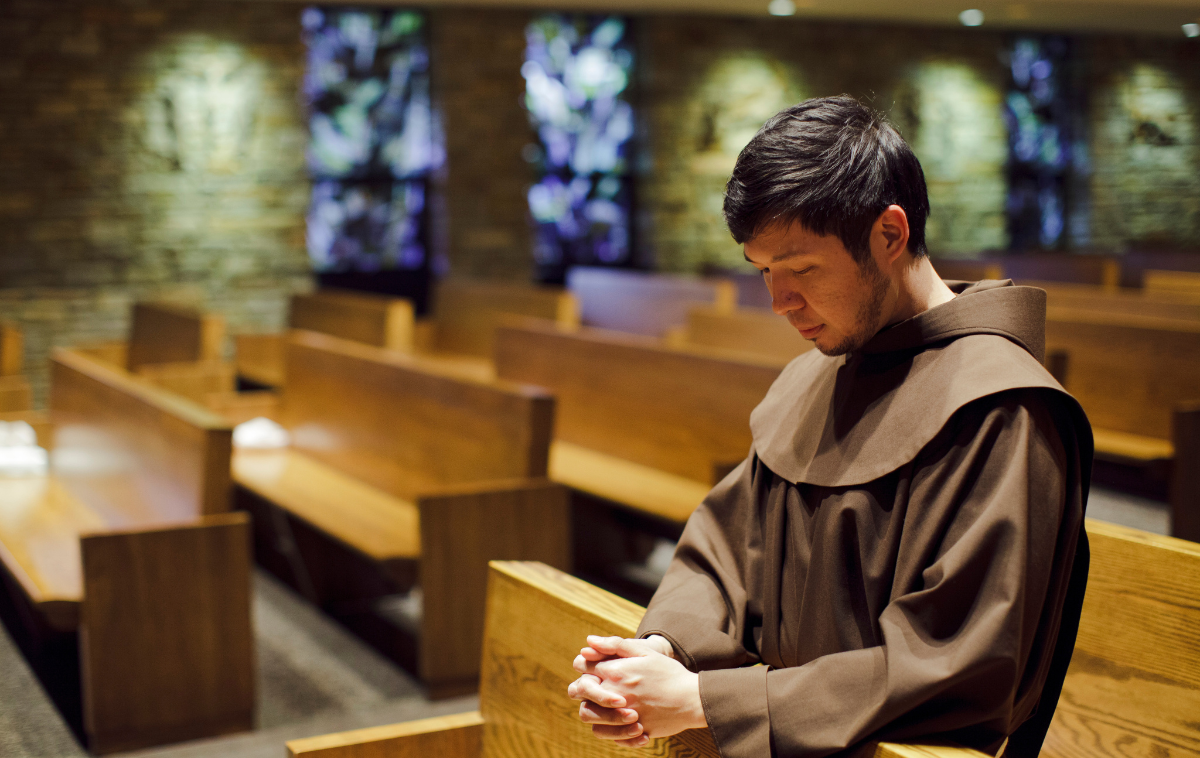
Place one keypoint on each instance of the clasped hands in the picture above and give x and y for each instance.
(633, 690)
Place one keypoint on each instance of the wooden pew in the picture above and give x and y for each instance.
(641, 302)
(466, 314)
(642, 431)
(130, 546)
(165, 333)
(966, 270)
(1182, 282)
(1121, 302)
(1133, 687)
(756, 331)
(1138, 379)
(416, 475)
(1100, 270)
(364, 317)
(15, 392)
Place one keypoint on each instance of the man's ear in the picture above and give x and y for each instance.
(891, 232)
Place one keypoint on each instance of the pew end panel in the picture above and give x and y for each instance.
(462, 529)
(1185, 472)
(259, 358)
(165, 333)
(166, 640)
(457, 736)
(12, 349)
(15, 394)
(466, 313)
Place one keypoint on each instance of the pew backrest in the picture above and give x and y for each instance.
(398, 422)
(138, 454)
(677, 410)
(641, 302)
(466, 313)
(966, 270)
(757, 331)
(12, 349)
(1100, 270)
(165, 333)
(1129, 372)
(1121, 302)
(363, 317)
(1182, 282)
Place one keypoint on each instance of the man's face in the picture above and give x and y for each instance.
(818, 286)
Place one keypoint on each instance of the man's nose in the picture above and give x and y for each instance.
(784, 299)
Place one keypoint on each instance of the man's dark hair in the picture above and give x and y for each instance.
(833, 165)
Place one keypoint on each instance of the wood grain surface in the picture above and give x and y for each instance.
(456, 736)
(463, 529)
(641, 302)
(466, 312)
(166, 643)
(137, 454)
(12, 349)
(1158, 281)
(757, 331)
(617, 480)
(15, 394)
(1133, 688)
(403, 424)
(166, 333)
(1129, 373)
(627, 396)
(259, 358)
(364, 317)
(195, 380)
(365, 518)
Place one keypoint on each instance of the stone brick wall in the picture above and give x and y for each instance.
(1145, 148)
(707, 84)
(148, 149)
(482, 215)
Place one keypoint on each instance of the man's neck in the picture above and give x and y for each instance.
(919, 289)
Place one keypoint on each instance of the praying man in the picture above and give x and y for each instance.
(901, 556)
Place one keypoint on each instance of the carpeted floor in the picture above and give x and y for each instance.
(315, 678)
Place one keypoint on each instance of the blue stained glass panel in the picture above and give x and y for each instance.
(373, 137)
(577, 74)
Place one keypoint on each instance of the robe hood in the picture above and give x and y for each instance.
(848, 420)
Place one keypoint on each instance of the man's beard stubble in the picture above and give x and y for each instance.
(866, 322)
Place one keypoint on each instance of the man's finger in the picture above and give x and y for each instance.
(605, 645)
(639, 741)
(587, 687)
(626, 732)
(591, 654)
(590, 713)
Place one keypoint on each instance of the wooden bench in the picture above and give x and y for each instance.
(756, 331)
(1133, 687)
(642, 432)
(1138, 379)
(1181, 282)
(644, 303)
(129, 546)
(364, 317)
(400, 473)
(15, 392)
(466, 314)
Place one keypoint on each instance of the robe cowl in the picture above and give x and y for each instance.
(902, 551)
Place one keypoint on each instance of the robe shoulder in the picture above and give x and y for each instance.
(838, 421)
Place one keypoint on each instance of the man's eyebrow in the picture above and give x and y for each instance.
(778, 258)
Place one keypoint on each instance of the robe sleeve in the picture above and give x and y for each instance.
(955, 648)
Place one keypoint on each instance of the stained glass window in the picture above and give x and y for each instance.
(372, 138)
(1037, 111)
(577, 74)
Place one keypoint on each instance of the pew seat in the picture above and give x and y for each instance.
(377, 524)
(1135, 448)
(619, 480)
(128, 552)
(1133, 687)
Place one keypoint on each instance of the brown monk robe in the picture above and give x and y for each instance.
(898, 547)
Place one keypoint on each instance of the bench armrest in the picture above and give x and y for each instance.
(457, 736)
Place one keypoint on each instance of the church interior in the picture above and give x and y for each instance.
(298, 452)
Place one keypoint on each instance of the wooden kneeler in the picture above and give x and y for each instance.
(166, 644)
(537, 619)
